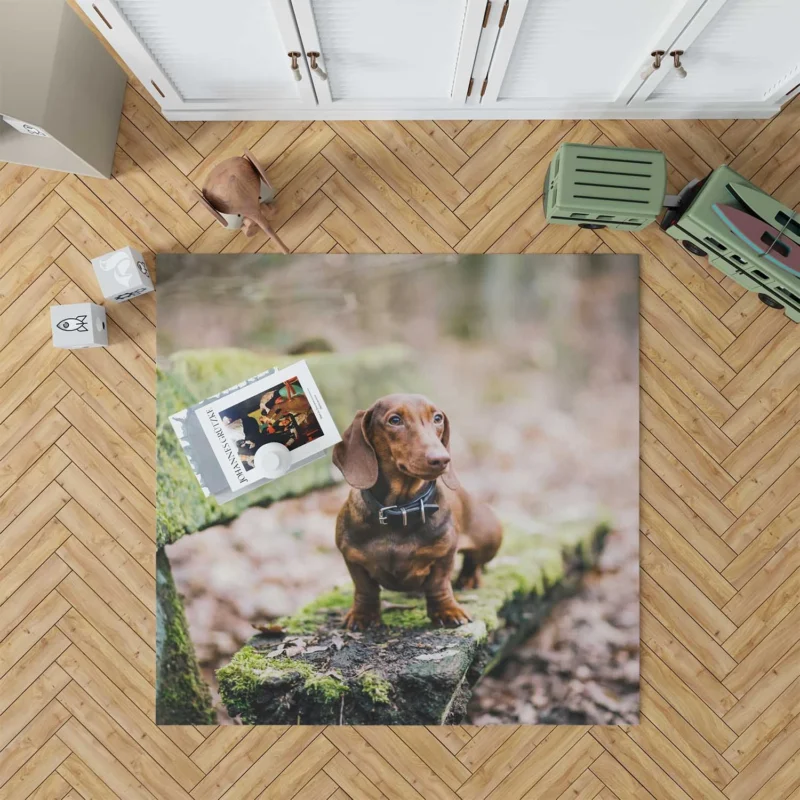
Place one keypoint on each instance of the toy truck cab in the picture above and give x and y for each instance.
(702, 232)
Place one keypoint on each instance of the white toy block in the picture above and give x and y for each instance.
(78, 325)
(122, 274)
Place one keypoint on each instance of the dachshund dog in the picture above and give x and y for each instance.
(407, 515)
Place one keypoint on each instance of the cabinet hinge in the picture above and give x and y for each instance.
(483, 88)
(503, 15)
(469, 87)
(486, 13)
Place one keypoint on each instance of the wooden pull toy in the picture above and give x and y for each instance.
(236, 192)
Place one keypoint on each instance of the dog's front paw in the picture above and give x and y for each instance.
(450, 616)
(359, 619)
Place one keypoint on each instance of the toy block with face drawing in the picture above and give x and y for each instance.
(122, 274)
(78, 325)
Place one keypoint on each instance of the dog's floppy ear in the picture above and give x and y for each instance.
(449, 477)
(355, 456)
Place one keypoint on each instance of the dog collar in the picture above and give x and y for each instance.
(420, 505)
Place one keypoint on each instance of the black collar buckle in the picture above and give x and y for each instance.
(404, 511)
(421, 505)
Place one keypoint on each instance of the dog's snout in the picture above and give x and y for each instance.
(438, 460)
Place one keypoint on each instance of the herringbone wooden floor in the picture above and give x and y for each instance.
(720, 507)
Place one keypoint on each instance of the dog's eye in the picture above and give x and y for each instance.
(438, 418)
(395, 419)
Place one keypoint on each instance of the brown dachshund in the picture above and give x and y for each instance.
(407, 515)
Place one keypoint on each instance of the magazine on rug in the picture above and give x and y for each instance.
(275, 410)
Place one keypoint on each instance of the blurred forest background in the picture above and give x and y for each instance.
(535, 361)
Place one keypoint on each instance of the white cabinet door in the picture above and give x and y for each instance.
(206, 53)
(391, 54)
(578, 55)
(735, 51)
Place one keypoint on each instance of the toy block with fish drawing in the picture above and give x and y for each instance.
(78, 325)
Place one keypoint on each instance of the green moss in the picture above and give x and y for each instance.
(182, 698)
(251, 676)
(309, 618)
(376, 688)
(325, 688)
(347, 381)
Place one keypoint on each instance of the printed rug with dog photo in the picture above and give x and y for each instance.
(398, 489)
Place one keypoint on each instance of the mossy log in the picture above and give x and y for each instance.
(346, 381)
(182, 697)
(407, 672)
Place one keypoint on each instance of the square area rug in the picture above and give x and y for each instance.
(427, 514)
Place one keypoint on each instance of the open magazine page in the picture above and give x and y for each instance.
(284, 407)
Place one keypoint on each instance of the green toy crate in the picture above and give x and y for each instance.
(695, 224)
(605, 187)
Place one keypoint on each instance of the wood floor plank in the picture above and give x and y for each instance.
(83, 780)
(159, 131)
(31, 738)
(390, 204)
(687, 703)
(691, 672)
(769, 506)
(782, 687)
(115, 482)
(437, 143)
(681, 408)
(402, 180)
(685, 593)
(237, 762)
(429, 171)
(26, 198)
(30, 267)
(285, 153)
(767, 435)
(95, 214)
(33, 519)
(139, 654)
(711, 474)
(682, 555)
(155, 164)
(761, 550)
(131, 609)
(133, 739)
(101, 761)
(684, 737)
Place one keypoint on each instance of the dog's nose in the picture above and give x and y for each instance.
(438, 460)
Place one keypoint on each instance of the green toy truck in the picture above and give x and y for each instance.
(702, 232)
(610, 187)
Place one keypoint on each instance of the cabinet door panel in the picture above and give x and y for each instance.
(580, 51)
(748, 51)
(231, 54)
(413, 52)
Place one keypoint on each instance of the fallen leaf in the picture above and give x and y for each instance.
(269, 629)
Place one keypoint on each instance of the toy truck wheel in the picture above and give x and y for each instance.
(592, 226)
(769, 301)
(693, 248)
